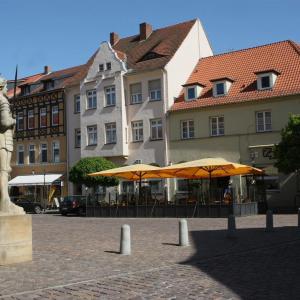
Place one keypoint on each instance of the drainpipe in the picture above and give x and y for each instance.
(166, 99)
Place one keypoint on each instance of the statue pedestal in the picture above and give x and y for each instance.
(15, 239)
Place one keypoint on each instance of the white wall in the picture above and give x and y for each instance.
(102, 114)
(180, 67)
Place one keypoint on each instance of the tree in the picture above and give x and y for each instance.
(79, 172)
(287, 152)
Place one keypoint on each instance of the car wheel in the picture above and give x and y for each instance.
(37, 209)
(64, 213)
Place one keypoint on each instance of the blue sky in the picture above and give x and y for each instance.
(64, 33)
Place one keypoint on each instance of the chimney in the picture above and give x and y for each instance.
(47, 69)
(145, 31)
(114, 38)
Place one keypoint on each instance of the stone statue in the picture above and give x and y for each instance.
(7, 125)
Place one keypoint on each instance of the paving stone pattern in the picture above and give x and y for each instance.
(76, 258)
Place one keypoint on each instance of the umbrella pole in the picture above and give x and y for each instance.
(209, 187)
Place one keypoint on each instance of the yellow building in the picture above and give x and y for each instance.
(234, 106)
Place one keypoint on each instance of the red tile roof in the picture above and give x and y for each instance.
(241, 66)
(157, 50)
(26, 80)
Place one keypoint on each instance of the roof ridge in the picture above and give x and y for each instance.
(249, 48)
(295, 46)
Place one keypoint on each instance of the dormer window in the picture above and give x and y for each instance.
(25, 90)
(49, 84)
(221, 86)
(266, 79)
(192, 91)
(108, 66)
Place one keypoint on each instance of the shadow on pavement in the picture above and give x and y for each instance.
(254, 265)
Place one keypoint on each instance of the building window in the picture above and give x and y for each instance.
(49, 84)
(110, 133)
(191, 93)
(137, 131)
(30, 117)
(91, 99)
(136, 93)
(31, 154)
(55, 116)
(20, 121)
(77, 104)
(156, 129)
(216, 126)
(187, 129)
(101, 67)
(43, 117)
(220, 89)
(108, 66)
(44, 153)
(20, 154)
(265, 82)
(77, 138)
(55, 152)
(110, 96)
(92, 135)
(154, 90)
(182, 185)
(263, 121)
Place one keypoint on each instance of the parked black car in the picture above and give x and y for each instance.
(29, 205)
(73, 205)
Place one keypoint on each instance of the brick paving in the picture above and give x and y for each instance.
(76, 258)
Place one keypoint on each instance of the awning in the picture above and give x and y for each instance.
(29, 180)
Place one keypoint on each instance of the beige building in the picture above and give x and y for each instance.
(234, 106)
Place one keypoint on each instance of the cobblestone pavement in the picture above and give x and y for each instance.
(76, 258)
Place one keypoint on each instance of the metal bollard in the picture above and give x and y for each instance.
(125, 243)
(269, 221)
(231, 228)
(183, 233)
(298, 217)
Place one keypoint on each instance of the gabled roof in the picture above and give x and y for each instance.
(157, 50)
(242, 66)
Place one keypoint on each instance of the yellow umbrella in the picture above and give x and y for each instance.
(209, 168)
(134, 172)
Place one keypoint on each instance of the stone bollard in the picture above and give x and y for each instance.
(183, 233)
(269, 221)
(231, 228)
(298, 217)
(125, 243)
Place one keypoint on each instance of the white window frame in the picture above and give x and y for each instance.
(43, 147)
(110, 95)
(187, 93)
(136, 98)
(77, 104)
(272, 79)
(264, 119)
(190, 129)
(54, 111)
(43, 113)
(76, 135)
(108, 66)
(154, 92)
(156, 124)
(55, 147)
(20, 149)
(215, 90)
(111, 133)
(30, 115)
(91, 99)
(31, 148)
(218, 127)
(137, 131)
(92, 135)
